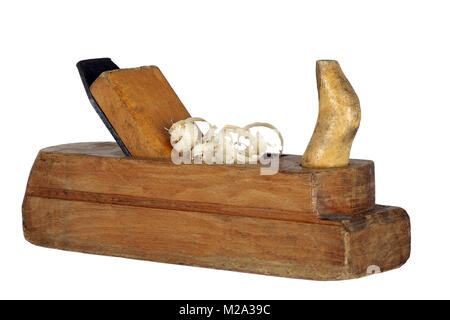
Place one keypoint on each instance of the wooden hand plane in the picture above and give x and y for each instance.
(315, 219)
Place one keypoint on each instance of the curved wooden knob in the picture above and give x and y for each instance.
(338, 120)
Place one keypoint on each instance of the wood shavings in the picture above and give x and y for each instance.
(230, 145)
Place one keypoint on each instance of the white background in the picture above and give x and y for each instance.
(232, 62)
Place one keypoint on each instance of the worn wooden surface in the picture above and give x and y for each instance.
(140, 104)
(101, 168)
(88, 197)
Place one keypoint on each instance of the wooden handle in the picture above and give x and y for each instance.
(338, 120)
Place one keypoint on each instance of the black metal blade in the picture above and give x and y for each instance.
(89, 71)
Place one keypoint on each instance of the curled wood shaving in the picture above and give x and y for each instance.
(232, 144)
